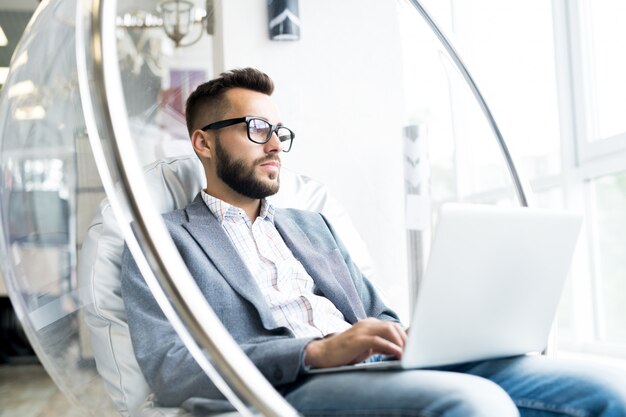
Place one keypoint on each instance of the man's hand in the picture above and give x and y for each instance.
(367, 337)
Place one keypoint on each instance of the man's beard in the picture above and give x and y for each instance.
(241, 178)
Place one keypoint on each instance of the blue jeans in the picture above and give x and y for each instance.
(527, 386)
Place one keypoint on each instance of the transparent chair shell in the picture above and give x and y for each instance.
(47, 179)
(68, 139)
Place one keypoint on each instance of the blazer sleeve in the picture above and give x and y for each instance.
(170, 370)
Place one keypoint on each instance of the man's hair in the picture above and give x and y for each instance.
(208, 98)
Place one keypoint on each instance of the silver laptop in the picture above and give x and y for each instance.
(491, 288)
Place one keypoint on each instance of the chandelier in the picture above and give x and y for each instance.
(181, 20)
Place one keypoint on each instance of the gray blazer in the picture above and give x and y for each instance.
(230, 288)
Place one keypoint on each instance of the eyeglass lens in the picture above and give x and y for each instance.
(259, 131)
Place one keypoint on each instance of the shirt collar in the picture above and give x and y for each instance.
(224, 211)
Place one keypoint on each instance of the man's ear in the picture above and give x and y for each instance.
(201, 143)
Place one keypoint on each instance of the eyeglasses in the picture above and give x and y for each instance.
(259, 130)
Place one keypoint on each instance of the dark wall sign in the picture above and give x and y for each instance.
(284, 20)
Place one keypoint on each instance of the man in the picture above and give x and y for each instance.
(285, 287)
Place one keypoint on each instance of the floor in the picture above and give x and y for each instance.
(26, 390)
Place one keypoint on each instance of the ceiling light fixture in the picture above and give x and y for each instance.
(177, 18)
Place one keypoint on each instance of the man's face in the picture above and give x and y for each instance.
(242, 177)
(248, 168)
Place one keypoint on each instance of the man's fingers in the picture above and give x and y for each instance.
(385, 347)
(402, 333)
(356, 344)
(393, 332)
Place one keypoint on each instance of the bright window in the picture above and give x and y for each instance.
(515, 69)
(554, 76)
(603, 45)
(608, 196)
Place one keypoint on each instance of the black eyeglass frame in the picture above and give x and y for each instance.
(273, 128)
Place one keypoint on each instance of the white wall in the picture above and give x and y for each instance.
(340, 89)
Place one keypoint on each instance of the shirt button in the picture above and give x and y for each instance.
(278, 374)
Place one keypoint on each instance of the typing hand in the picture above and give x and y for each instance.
(367, 337)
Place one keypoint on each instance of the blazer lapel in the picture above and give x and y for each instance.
(210, 235)
(339, 290)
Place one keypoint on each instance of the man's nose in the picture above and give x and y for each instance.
(274, 144)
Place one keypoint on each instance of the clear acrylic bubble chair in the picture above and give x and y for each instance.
(93, 139)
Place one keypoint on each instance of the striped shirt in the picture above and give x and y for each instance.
(288, 289)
